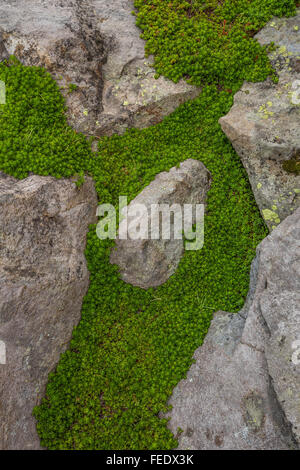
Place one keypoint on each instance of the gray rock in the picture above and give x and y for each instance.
(60, 36)
(243, 391)
(4, 55)
(263, 124)
(96, 45)
(43, 278)
(147, 262)
(131, 95)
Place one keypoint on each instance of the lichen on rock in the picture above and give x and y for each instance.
(263, 124)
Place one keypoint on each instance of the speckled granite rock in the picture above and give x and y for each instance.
(243, 392)
(95, 45)
(43, 278)
(149, 263)
(263, 124)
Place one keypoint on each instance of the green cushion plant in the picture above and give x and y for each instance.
(208, 41)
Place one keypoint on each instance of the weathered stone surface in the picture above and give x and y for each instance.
(43, 278)
(60, 36)
(147, 262)
(131, 94)
(243, 392)
(3, 52)
(95, 45)
(263, 124)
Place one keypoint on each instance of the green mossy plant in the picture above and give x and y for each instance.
(208, 42)
(72, 87)
(292, 165)
(133, 346)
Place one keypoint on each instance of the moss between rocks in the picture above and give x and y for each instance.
(133, 346)
(208, 41)
(292, 165)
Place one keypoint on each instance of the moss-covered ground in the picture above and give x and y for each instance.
(133, 346)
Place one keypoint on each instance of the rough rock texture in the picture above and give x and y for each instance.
(43, 278)
(60, 36)
(131, 94)
(147, 262)
(263, 124)
(95, 45)
(4, 55)
(243, 392)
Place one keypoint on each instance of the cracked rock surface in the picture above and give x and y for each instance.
(243, 392)
(263, 124)
(43, 279)
(95, 45)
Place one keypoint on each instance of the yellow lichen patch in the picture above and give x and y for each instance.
(264, 112)
(282, 50)
(270, 216)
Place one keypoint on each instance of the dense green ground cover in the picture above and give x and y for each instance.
(208, 41)
(133, 346)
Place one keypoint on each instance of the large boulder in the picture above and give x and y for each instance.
(149, 262)
(61, 37)
(263, 125)
(43, 278)
(243, 391)
(95, 45)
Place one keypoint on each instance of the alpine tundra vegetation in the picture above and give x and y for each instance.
(132, 346)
